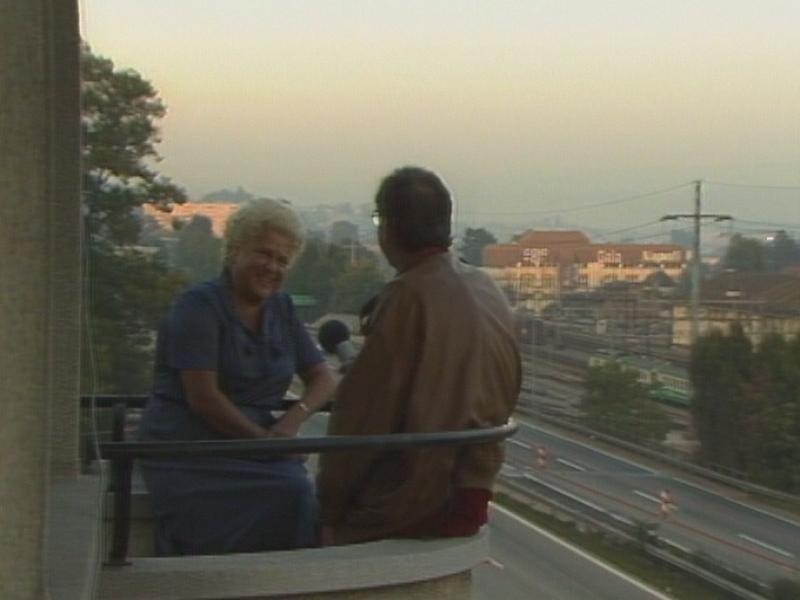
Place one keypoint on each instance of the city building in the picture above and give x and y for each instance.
(762, 303)
(217, 212)
(540, 264)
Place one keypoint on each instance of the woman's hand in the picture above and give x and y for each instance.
(288, 425)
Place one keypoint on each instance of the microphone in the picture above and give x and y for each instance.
(334, 337)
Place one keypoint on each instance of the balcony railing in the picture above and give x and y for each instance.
(122, 454)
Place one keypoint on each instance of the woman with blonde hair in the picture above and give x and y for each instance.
(226, 354)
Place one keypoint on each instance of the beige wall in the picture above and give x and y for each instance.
(755, 326)
(38, 276)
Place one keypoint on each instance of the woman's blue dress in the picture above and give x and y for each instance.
(215, 505)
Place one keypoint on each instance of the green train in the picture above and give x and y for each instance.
(668, 384)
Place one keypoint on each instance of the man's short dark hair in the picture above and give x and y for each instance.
(416, 205)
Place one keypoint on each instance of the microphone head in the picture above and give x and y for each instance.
(331, 334)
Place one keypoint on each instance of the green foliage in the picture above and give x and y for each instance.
(198, 252)
(475, 240)
(749, 254)
(129, 288)
(782, 252)
(616, 403)
(118, 121)
(325, 272)
(746, 407)
(355, 286)
(129, 293)
(315, 273)
(745, 254)
(718, 365)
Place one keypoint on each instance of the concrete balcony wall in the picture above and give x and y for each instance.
(408, 569)
(387, 569)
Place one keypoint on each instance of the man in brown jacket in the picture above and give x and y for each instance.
(439, 355)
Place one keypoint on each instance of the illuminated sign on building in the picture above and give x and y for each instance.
(609, 257)
(534, 256)
(652, 256)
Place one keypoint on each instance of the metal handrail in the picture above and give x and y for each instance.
(277, 446)
(139, 401)
(122, 454)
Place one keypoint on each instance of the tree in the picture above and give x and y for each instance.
(129, 288)
(325, 272)
(719, 367)
(782, 252)
(775, 456)
(355, 286)
(475, 240)
(745, 254)
(616, 403)
(746, 406)
(198, 251)
(237, 196)
(315, 274)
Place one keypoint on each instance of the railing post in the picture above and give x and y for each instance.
(119, 417)
(121, 473)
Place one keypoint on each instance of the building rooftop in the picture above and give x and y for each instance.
(217, 212)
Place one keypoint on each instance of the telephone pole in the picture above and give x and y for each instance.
(697, 216)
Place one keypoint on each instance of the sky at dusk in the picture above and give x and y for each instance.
(523, 107)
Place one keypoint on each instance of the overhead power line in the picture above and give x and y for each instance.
(777, 226)
(650, 236)
(754, 185)
(558, 211)
(631, 228)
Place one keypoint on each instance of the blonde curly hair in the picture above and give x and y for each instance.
(256, 216)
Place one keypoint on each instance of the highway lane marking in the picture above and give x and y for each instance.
(582, 553)
(717, 539)
(669, 476)
(570, 464)
(766, 546)
(621, 519)
(647, 496)
(675, 544)
(588, 447)
(520, 444)
(672, 506)
(494, 563)
(564, 492)
(757, 509)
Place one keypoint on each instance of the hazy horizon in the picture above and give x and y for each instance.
(521, 106)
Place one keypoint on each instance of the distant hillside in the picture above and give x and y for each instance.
(236, 196)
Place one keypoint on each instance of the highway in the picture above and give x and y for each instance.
(529, 562)
(747, 538)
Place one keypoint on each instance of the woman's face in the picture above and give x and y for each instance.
(259, 266)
